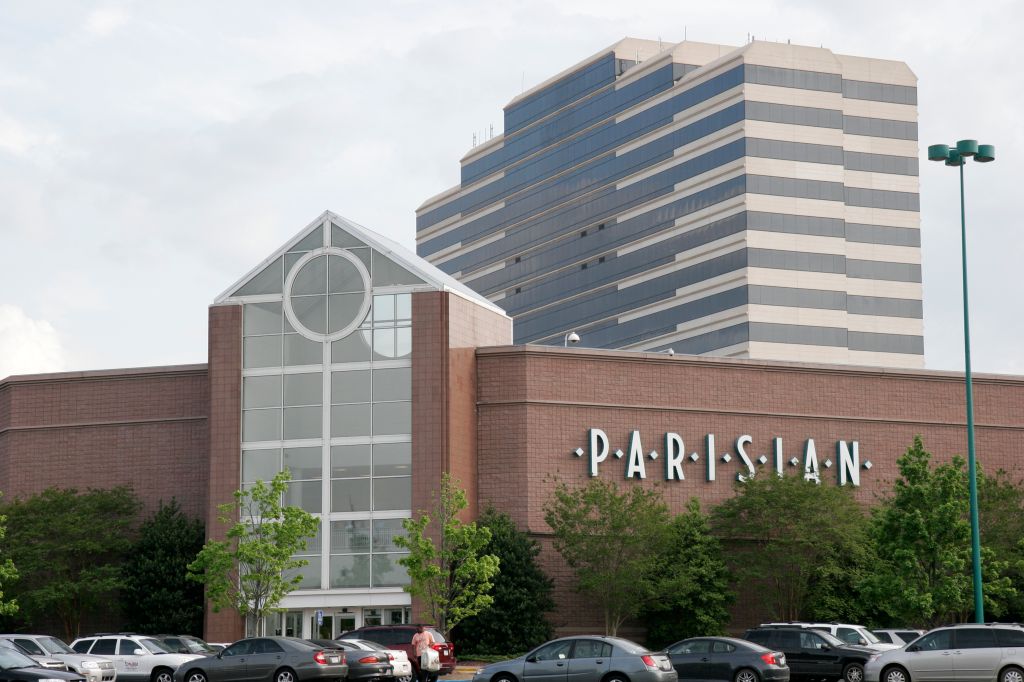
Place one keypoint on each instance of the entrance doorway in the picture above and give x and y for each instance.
(324, 630)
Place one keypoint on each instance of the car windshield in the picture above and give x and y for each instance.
(196, 646)
(155, 646)
(830, 638)
(869, 636)
(52, 645)
(9, 658)
(367, 644)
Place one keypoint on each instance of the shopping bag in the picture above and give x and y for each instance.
(430, 661)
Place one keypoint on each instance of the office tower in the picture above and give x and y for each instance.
(756, 202)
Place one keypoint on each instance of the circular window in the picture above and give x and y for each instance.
(327, 294)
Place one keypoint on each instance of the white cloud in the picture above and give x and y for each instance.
(105, 20)
(27, 346)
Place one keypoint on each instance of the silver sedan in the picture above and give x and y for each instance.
(583, 659)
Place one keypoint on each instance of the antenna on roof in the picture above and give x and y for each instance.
(660, 48)
(474, 139)
(522, 84)
(490, 130)
(684, 32)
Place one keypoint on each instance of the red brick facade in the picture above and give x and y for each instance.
(537, 403)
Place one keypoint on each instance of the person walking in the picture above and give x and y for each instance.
(422, 642)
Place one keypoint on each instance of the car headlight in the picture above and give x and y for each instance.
(873, 657)
(90, 665)
(50, 679)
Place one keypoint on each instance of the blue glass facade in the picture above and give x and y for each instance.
(611, 178)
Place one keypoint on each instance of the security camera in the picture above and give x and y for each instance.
(572, 337)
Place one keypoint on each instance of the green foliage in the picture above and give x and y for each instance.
(454, 576)
(608, 538)
(69, 547)
(522, 594)
(253, 568)
(1001, 517)
(798, 543)
(693, 583)
(157, 595)
(923, 537)
(8, 573)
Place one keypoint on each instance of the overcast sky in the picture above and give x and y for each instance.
(151, 153)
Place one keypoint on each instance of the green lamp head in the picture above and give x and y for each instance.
(986, 153)
(967, 147)
(954, 158)
(938, 152)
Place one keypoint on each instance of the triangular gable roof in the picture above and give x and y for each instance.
(434, 277)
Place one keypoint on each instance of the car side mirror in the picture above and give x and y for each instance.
(139, 652)
(531, 659)
(823, 647)
(862, 641)
(182, 650)
(913, 647)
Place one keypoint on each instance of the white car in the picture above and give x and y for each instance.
(92, 668)
(136, 658)
(851, 634)
(968, 651)
(399, 659)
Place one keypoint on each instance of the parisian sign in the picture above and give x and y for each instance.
(721, 456)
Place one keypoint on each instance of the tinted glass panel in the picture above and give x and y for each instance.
(298, 350)
(303, 422)
(350, 495)
(392, 493)
(352, 348)
(106, 646)
(350, 537)
(1008, 637)
(392, 418)
(350, 420)
(303, 389)
(260, 465)
(305, 495)
(350, 387)
(387, 572)
(350, 570)
(936, 641)
(392, 459)
(261, 391)
(384, 533)
(722, 648)
(262, 318)
(262, 351)
(304, 463)
(350, 461)
(975, 638)
(392, 384)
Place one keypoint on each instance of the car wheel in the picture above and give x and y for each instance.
(1011, 674)
(853, 672)
(895, 674)
(404, 678)
(615, 677)
(284, 675)
(746, 675)
(503, 677)
(162, 675)
(195, 676)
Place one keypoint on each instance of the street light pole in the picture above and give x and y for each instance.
(957, 156)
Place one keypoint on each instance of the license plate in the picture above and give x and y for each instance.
(333, 659)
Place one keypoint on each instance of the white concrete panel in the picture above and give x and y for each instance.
(689, 294)
(803, 170)
(883, 216)
(882, 288)
(880, 145)
(872, 109)
(794, 352)
(686, 224)
(687, 153)
(809, 317)
(467, 248)
(883, 252)
(455, 222)
(689, 258)
(876, 359)
(772, 277)
(791, 132)
(876, 70)
(774, 94)
(804, 243)
(476, 274)
(769, 203)
(890, 182)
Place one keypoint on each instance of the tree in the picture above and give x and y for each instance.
(693, 583)
(795, 541)
(522, 594)
(923, 538)
(1001, 517)
(157, 595)
(609, 539)
(8, 573)
(453, 577)
(253, 568)
(69, 547)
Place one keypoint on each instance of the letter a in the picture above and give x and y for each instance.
(636, 458)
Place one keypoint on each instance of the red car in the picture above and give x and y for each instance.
(400, 637)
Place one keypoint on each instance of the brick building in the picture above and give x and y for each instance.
(368, 373)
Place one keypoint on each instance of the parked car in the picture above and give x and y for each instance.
(363, 665)
(92, 668)
(899, 637)
(136, 658)
(400, 637)
(814, 654)
(980, 653)
(17, 667)
(584, 659)
(851, 634)
(42, 660)
(187, 644)
(401, 665)
(266, 659)
(726, 658)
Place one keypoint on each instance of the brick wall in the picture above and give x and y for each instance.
(536, 404)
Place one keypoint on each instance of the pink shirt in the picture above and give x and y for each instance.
(421, 641)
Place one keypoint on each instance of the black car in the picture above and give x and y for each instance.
(363, 665)
(17, 667)
(726, 658)
(813, 654)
